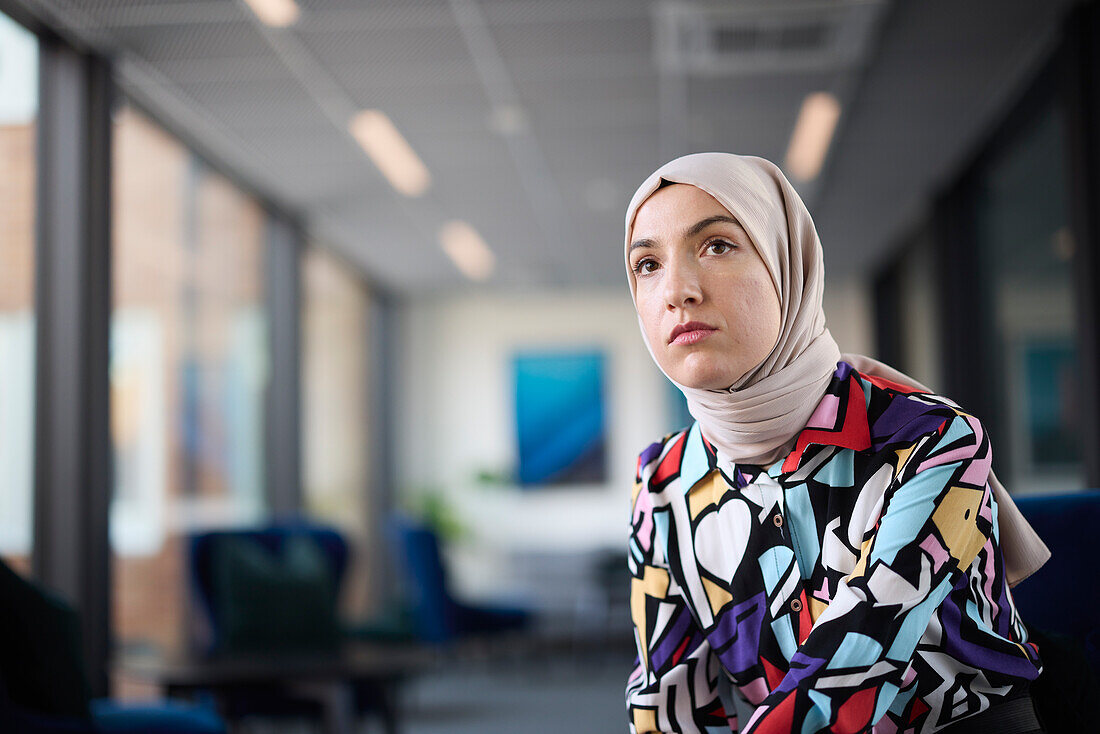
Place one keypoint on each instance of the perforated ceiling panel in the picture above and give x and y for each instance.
(536, 118)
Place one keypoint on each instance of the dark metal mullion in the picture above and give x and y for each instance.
(382, 406)
(72, 303)
(1080, 90)
(282, 419)
(96, 367)
(886, 290)
(965, 346)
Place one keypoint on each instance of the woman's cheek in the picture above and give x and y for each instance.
(763, 303)
(651, 322)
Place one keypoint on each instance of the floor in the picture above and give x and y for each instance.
(499, 694)
(577, 695)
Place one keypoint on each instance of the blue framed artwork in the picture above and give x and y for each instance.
(560, 418)
(1050, 369)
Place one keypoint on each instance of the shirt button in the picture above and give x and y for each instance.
(796, 605)
(777, 520)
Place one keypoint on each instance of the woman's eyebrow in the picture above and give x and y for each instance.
(691, 232)
(704, 223)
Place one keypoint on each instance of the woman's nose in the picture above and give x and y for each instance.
(682, 286)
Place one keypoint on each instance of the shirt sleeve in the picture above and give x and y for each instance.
(673, 687)
(937, 514)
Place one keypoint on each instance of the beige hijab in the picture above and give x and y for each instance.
(758, 418)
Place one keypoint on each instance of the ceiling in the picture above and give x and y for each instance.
(538, 118)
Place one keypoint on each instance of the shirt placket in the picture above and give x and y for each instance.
(792, 608)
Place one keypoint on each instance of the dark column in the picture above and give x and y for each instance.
(966, 346)
(282, 419)
(73, 309)
(887, 308)
(383, 396)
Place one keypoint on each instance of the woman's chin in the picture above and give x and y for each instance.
(706, 376)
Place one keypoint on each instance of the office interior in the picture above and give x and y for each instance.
(306, 261)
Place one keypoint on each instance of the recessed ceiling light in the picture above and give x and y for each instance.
(387, 147)
(508, 119)
(467, 250)
(275, 13)
(813, 132)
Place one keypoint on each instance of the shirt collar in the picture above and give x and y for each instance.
(840, 419)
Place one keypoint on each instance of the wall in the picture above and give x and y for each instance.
(848, 315)
(457, 411)
(455, 414)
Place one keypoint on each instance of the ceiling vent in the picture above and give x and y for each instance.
(762, 37)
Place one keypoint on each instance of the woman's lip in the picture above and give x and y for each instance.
(690, 333)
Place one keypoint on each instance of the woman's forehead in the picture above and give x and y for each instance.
(675, 208)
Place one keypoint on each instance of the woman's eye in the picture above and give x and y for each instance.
(719, 247)
(644, 267)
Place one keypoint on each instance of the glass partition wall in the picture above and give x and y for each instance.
(188, 370)
(336, 445)
(984, 297)
(1026, 252)
(18, 113)
(189, 350)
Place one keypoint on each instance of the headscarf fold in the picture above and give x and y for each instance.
(757, 419)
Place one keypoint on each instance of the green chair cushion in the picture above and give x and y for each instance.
(265, 601)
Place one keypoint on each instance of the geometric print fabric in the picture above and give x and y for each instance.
(855, 585)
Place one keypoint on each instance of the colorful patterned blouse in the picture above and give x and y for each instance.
(855, 586)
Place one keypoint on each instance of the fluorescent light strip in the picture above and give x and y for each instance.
(812, 135)
(275, 13)
(389, 150)
(467, 250)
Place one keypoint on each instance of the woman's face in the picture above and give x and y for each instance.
(707, 304)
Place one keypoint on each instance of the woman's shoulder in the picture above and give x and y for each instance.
(901, 414)
(665, 452)
(874, 415)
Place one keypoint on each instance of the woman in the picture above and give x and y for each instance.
(825, 536)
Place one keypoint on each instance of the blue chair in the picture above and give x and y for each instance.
(439, 617)
(269, 588)
(1064, 595)
(43, 684)
(1059, 605)
(274, 589)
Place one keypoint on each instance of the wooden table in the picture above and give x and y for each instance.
(328, 679)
